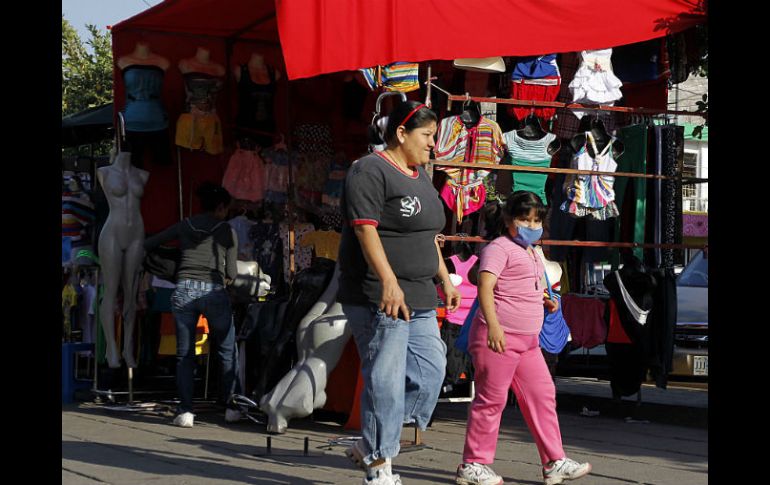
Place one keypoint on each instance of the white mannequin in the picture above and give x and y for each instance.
(257, 70)
(142, 56)
(201, 63)
(121, 251)
(321, 339)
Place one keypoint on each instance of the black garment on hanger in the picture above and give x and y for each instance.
(663, 316)
(672, 141)
(255, 105)
(640, 285)
(457, 361)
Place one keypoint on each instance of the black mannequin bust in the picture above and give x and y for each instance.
(471, 114)
(533, 130)
(601, 137)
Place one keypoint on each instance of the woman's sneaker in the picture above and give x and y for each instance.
(383, 476)
(564, 469)
(476, 474)
(184, 420)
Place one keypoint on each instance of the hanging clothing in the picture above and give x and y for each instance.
(69, 299)
(631, 290)
(242, 227)
(200, 132)
(468, 290)
(276, 174)
(255, 105)
(529, 153)
(616, 334)
(399, 76)
(482, 143)
(326, 244)
(634, 160)
(303, 256)
(639, 62)
(535, 78)
(585, 319)
(458, 362)
(663, 323)
(335, 183)
(268, 252)
(592, 195)
(201, 92)
(200, 127)
(144, 111)
(671, 152)
(245, 176)
(535, 67)
(594, 81)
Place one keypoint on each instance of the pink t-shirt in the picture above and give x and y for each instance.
(519, 291)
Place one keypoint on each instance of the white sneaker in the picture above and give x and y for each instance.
(184, 420)
(477, 474)
(564, 469)
(233, 415)
(383, 476)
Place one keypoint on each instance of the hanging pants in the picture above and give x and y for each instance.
(521, 368)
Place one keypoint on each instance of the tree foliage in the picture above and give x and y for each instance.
(86, 73)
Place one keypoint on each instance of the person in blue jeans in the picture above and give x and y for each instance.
(388, 259)
(208, 264)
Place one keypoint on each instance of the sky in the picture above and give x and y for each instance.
(101, 12)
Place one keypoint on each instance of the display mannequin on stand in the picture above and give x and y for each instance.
(121, 251)
(201, 63)
(200, 128)
(146, 118)
(321, 338)
(256, 91)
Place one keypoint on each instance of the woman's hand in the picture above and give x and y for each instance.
(496, 338)
(550, 305)
(392, 300)
(452, 296)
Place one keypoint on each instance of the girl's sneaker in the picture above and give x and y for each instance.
(564, 469)
(476, 474)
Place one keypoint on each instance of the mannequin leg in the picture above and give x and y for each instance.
(133, 260)
(111, 259)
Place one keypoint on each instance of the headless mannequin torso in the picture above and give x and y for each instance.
(121, 251)
(532, 130)
(142, 56)
(601, 137)
(258, 70)
(201, 63)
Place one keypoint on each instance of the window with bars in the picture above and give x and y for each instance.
(690, 191)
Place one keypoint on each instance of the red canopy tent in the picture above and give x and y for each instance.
(305, 38)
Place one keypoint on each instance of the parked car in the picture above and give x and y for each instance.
(691, 333)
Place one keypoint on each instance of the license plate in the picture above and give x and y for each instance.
(700, 365)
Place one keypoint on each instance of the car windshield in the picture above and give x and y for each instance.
(696, 273)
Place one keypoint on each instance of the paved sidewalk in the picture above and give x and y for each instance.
(102, 446)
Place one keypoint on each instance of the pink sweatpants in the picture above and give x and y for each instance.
(522, 368)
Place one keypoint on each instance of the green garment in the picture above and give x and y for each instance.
(634, 159)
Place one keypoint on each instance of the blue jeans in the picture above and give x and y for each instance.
(189, 300)
(402, 367)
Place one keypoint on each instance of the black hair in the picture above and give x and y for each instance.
(521, 203)
(422, 117)
(212, 195)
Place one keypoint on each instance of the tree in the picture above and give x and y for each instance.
(86, 70)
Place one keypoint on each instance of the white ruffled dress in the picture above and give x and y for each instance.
(594, 81)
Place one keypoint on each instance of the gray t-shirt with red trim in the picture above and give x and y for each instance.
(408, 214)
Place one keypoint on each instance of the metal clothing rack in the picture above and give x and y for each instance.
(441, 238)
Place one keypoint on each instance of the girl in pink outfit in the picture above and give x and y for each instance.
(506, 354)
